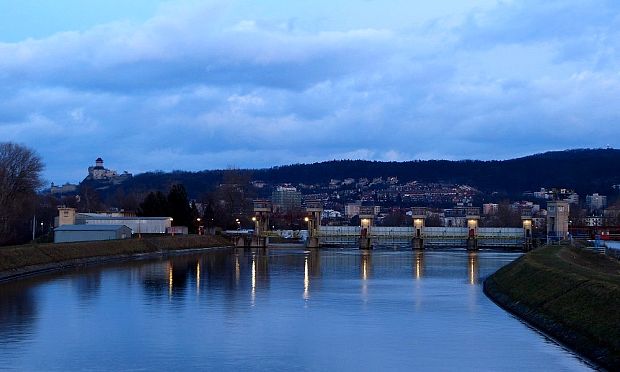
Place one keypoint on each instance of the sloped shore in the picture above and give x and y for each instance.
(568, 293)
(30, 259)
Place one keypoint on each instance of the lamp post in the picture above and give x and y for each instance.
(171, 227)
(198, 226)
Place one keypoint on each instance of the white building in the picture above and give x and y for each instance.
(596, 202)
(138, 225)
(352, 209)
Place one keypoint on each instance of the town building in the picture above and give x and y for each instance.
(286, 199)
(596, 202)
(573, 199)
(490, 209)
(65, 189)
(352, 209)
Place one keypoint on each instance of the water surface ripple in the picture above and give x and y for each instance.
(277, 309)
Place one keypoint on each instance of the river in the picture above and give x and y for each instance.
(275, 309)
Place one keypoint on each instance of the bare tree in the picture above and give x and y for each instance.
(20, 177)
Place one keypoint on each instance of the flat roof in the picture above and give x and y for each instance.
(89, 227)
(92, 217)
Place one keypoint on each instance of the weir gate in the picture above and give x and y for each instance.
(431, 236)
(417, 236)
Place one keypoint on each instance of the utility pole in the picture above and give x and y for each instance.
(34, 225)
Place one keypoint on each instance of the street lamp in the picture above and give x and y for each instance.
(198, 223)
(171, 228)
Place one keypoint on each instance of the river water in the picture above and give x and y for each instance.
(276, 309)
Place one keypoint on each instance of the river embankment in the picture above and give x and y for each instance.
(30, 259)
(568, 293)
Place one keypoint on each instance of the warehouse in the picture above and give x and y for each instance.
(83, 233)
(138, 225)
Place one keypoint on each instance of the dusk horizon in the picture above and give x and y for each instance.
(205, 85)
(284, 164)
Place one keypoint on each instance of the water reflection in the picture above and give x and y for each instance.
(365, 264)
(419, 265)
(473, 267)
(254, 309)
(18, 312)
(251, 268)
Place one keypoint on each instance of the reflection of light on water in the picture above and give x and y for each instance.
(169, 279)
(306, 279)
(365, 267)
(198, 277)
(253, 279)
(237, 269)
(418, 267)
(473, 278)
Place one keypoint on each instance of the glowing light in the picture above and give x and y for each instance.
(198, 277)
(253, 279)
(472, 268)
(169, 280)
(237, 269)
(306, 280)
(306, 219)
(418, 267)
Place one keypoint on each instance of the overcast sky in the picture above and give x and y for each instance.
(163, 85)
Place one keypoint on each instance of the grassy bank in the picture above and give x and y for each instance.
(24, 259)
(571, 294)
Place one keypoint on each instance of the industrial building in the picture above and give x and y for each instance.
(82, 233)
(138, 225)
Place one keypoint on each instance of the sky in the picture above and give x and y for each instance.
(190, 85)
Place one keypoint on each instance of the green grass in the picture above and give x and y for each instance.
(21, 258)
(571, 294)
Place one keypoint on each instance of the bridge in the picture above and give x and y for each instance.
(418, 236)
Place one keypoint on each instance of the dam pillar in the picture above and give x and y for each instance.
(367, 217)
(314, 225)
(262, 212)
(419, 217)
(557, 221)
(472, 216)
(527, 232)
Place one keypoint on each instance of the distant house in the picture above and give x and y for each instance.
(84, 233)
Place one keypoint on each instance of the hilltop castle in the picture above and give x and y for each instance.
(100, 173)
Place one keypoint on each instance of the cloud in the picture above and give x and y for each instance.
(203, 86)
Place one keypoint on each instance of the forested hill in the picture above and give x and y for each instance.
(585, 170)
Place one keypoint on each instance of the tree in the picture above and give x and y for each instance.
(20, 177)
(154, 205)
(179, 207)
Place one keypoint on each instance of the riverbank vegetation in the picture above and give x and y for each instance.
(20, 178)
(571, 294)
(28, 258)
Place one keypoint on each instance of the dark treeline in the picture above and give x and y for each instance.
(586, 171)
